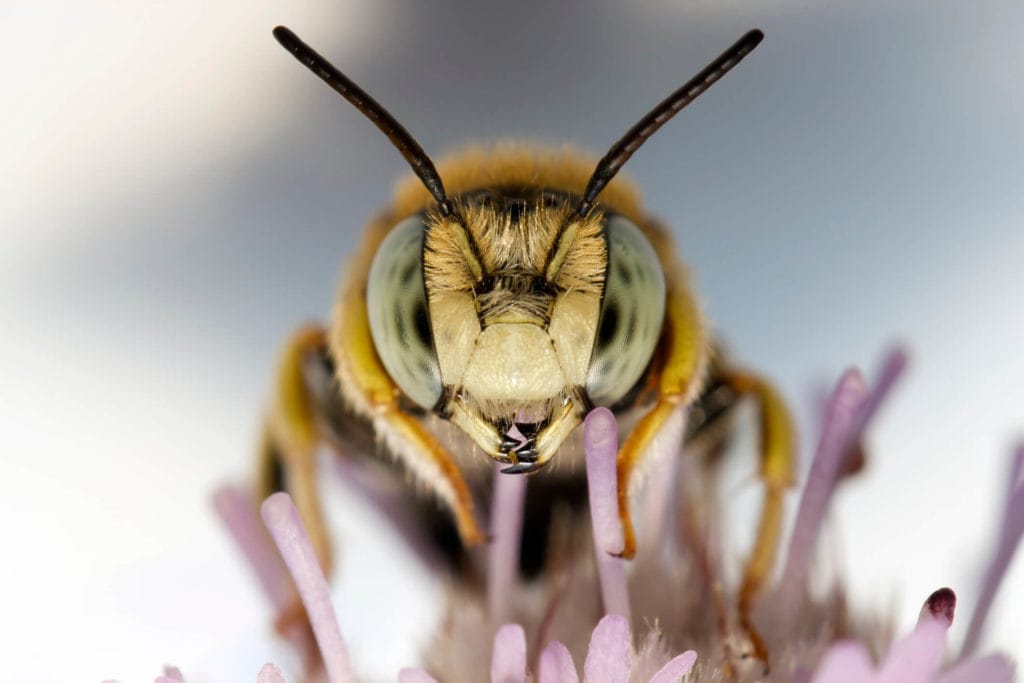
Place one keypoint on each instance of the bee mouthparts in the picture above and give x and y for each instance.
(522, 468)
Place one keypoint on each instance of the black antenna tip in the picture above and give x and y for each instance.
(285, 36)
(749, 42)
(407, 146)
(622, 150)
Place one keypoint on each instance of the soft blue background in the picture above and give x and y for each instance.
(178, 194)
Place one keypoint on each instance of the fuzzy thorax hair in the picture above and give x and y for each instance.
(509, 164)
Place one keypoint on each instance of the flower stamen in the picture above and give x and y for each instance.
(289, 534)
(506, 535)
(600, 438)
(1011, 531)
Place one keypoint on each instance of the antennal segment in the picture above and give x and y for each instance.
(622, 150)
(403, 141)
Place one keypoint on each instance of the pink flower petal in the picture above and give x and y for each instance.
(841, 416)
(1011, 531)
(893, 365)
(174, 673)
(506, 534)
(415, 676)
(676, 668)
(239, 513)
(556, 665)
(282, 520)
(241, 516)
(990, 669)
(600, 440)
(845, 662)
(916, 658)
(608, 653)
(508, 660)
(849, 410)
(270, 674)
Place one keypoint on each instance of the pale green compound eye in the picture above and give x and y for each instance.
(396, 303)
(632, 314)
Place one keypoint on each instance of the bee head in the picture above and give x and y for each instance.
(514, 286)
(516, 307)
(514, 315)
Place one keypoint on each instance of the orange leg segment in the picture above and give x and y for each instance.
(777, 463)
(423, 443)
(291, 433)
(368, 388)
(685, 354)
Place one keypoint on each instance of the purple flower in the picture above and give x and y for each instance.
(597, 616)
(610, 656)
(915, 658)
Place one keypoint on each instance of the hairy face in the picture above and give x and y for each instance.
(515, 312)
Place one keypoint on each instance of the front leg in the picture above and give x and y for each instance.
(682, 370)
(309, 407)
(684, 358)
(292, 430)
(368, 390)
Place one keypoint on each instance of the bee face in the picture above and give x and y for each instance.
(514, 311)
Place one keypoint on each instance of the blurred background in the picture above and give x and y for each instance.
(177, 194)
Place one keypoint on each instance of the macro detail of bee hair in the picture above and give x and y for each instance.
(517, 164)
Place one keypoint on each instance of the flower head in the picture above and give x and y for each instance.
(664, 616)
(915, 658)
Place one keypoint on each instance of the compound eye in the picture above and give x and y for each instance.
(632, 312)
(396, 303)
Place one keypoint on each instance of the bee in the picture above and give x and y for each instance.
(507, 293)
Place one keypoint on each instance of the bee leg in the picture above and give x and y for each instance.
(776, 473)
(431, 462)
(292, 430)
(684, 357)
(293, 427)
(369, 391)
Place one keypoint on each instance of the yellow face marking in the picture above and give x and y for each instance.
(514, 342)
(514, 364)
(565, 242)
(572, 330)
(465, 247)
(455, 328)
